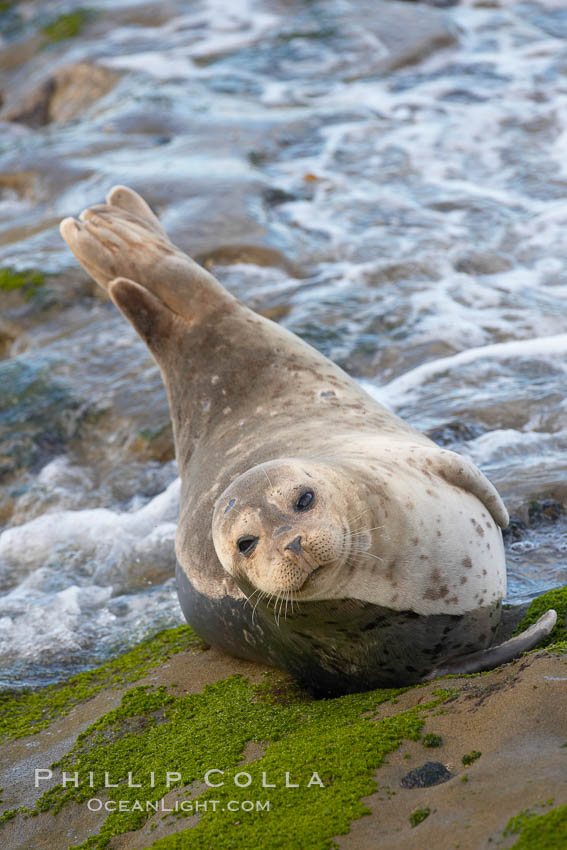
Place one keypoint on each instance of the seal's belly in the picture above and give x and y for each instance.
(339, 646)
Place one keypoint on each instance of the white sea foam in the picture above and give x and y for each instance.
(398, 390)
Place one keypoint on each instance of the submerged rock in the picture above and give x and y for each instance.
(64, 95)
(38, 415)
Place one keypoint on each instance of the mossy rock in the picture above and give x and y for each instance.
(27, 282)
(539, 832)
(556, 599)
(317, 761)
(68, 25)
(26, 712)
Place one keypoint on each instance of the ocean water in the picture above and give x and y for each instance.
(411, 225)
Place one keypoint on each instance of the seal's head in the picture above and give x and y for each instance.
(283, 528)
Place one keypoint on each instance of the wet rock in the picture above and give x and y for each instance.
(153, 443)
(539, 512)
(482, 263)
(216, 221)
(19, 184)
(515, 530)
(422, 270)
(430, 773)
(62, 96)
(545, 510)
(226, 255)
(273, 196)
(28, 310)
(454, 432)
(408, 33)
(38, 416)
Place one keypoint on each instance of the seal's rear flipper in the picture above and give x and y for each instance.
(487, 659)
(146, 313)
(127, 199)
(123, 238)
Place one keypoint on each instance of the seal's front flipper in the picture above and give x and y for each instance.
(461, 472)
(492, 657)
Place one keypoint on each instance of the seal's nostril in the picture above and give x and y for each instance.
(295, 545)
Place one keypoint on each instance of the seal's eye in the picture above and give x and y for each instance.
(305, 500)
(246, 545)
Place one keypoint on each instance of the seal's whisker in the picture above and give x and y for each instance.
(248, 598)
(267, 476)
(262, 594)
(368, 555)
(352, 519)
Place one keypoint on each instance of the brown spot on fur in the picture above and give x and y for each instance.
(436, 593)
(390, 571)
(424, 557)
(478, 528)
(485, 572)
(464, 579)
(439, 533)
(467, 563)
(415, 540)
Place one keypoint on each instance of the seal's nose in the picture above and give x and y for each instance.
(294, 546)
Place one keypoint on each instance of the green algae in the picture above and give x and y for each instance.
(419, 816)
(432, 740)
(556, 599)
(27, 282)
(539, 832)
(27, 712)
(470, 758)
(338, 741)
(67, 26)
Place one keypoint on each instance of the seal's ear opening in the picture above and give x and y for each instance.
(153, 321)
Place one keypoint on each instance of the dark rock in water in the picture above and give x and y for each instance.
(273, 196)
(514, 530)
(545, 510)
(62, 96)
(430, 773)
(38, 416)
(454, 432)
(539, 512)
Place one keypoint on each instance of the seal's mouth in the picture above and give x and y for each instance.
(313, 571)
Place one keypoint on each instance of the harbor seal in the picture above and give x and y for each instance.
(318, 532)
